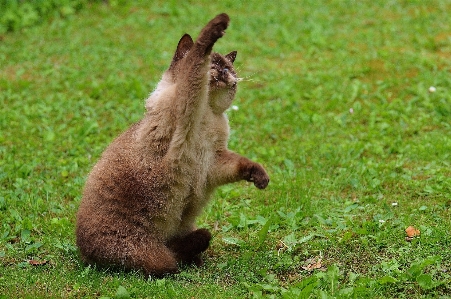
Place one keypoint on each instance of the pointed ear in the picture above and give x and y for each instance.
(185, 44)
(231, 56)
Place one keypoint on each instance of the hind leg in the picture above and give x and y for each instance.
(152, 259)
(126, 251)
(188, 248)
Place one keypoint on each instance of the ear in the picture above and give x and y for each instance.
(185, 44)
(231, 56)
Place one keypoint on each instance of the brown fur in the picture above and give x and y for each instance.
(142, 197)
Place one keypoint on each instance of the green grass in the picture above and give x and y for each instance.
(18, 14)
(344, 186)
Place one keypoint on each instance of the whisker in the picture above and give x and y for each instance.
(247, 78)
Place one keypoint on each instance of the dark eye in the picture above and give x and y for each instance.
(225, 71)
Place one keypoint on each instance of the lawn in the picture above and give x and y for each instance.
(346, 103)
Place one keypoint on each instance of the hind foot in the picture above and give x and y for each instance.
(187, 249)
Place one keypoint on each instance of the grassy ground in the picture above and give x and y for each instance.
(347, 104)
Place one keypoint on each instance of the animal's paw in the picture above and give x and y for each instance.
(259, 176)
(213, 31)
(202, 237)
(218, 25)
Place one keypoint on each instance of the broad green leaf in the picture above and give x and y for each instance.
(387, 279)
(290, 241)
(122, 293)
(25, 235)
(417, 268)
(233, 241)
(425, 281)
(263, 233)
(309, 286)
(306, 238)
